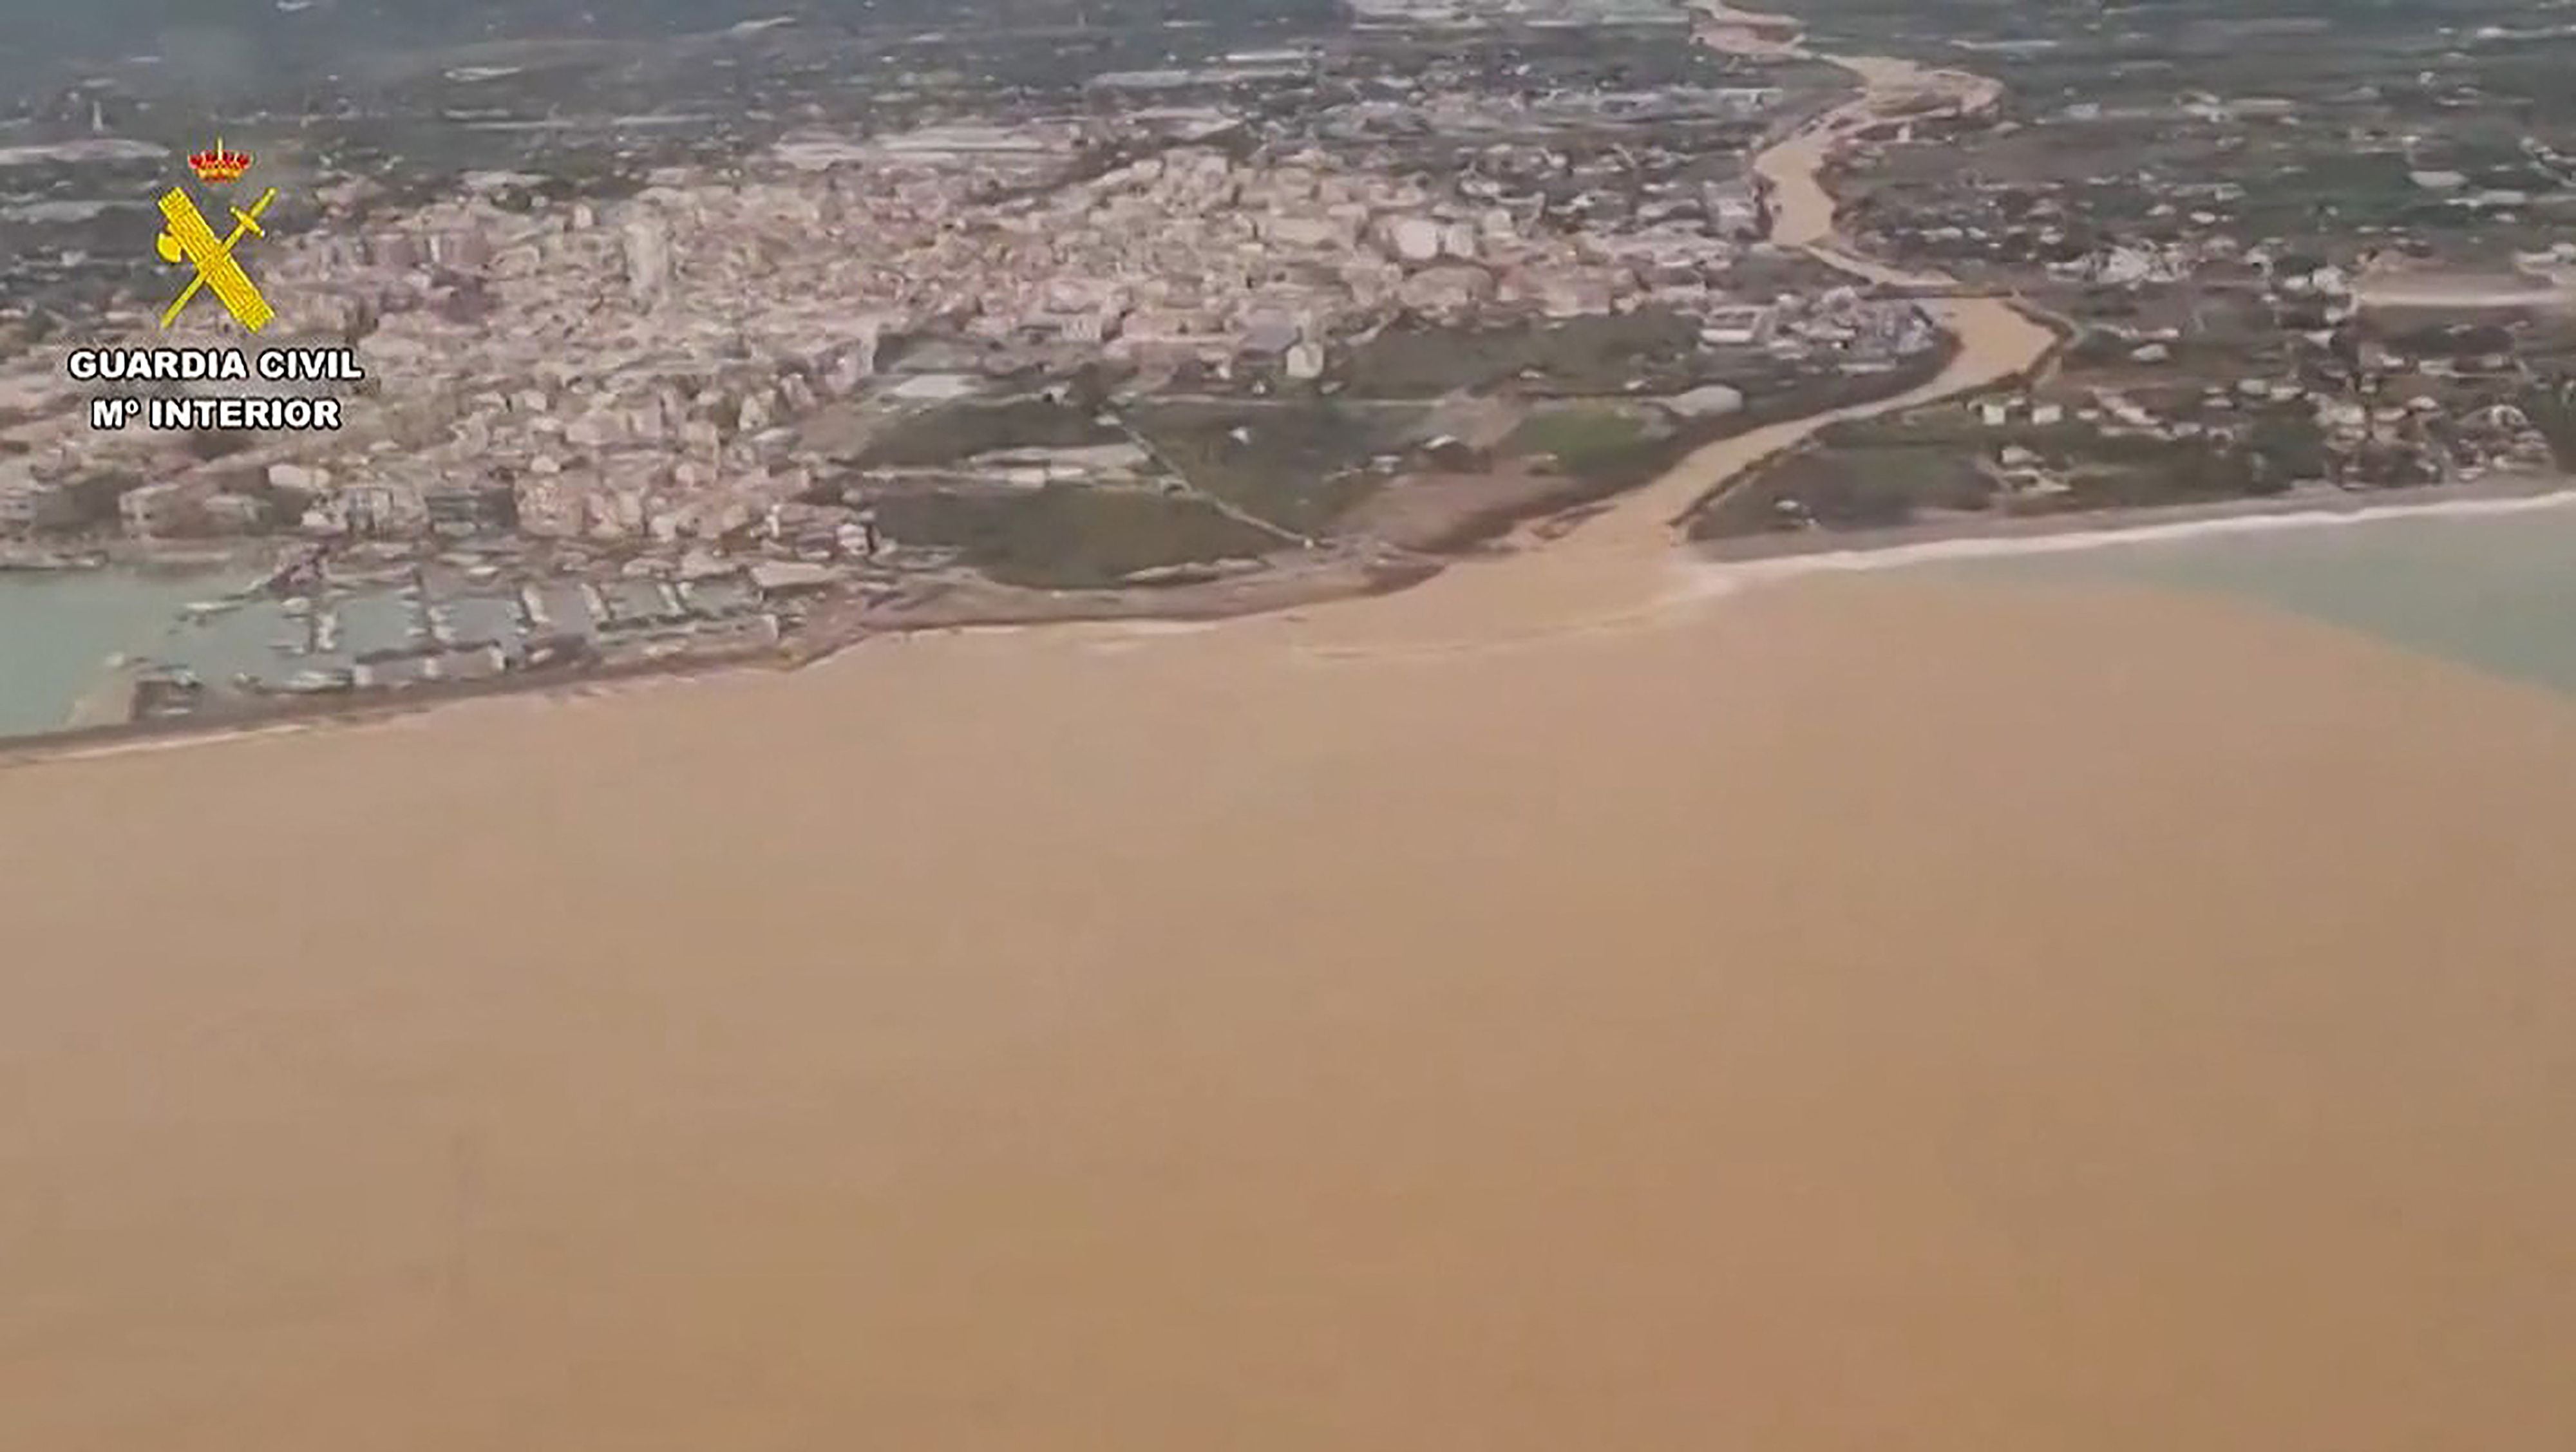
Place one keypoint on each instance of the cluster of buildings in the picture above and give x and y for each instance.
(2228, 341)
(1839, 326)
(2355, 431)
(1477, 14)
(1468, 115)
(1602, 158)
(632, 370)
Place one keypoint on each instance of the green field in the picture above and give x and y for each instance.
(1069, 537)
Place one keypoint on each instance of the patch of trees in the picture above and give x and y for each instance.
(2551, 407)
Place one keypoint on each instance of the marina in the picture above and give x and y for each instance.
(118, 647)
(2482, 586)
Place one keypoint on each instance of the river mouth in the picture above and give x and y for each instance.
(1892, 1015)
(1613, 564)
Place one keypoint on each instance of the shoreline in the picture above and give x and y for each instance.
(1616, 543)
(1976, 538)
(1712, 568)
(2113, 1002)
(1000, 608)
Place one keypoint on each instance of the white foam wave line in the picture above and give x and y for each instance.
(1131, 628)
(1718, 577)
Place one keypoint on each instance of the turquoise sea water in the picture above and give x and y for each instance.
(2495, 590)
(58, 630)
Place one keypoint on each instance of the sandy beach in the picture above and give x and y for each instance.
(1972, 536)
(1552, 1007)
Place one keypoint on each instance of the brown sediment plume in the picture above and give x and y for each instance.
(1526, 1012)
(1618, 566)
(1873, 1013)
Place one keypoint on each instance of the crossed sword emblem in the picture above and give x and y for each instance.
(187, 238)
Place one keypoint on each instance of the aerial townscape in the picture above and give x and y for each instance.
(1202, 316)
(1287, 725)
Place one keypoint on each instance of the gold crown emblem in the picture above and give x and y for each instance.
(219, 164)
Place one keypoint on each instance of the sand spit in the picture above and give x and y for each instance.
(1878, 1014)
(1980, 539)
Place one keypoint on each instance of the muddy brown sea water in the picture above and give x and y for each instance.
(1851, 1015)
(1537, 1010)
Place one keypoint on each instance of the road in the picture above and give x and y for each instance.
(1616, 568)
